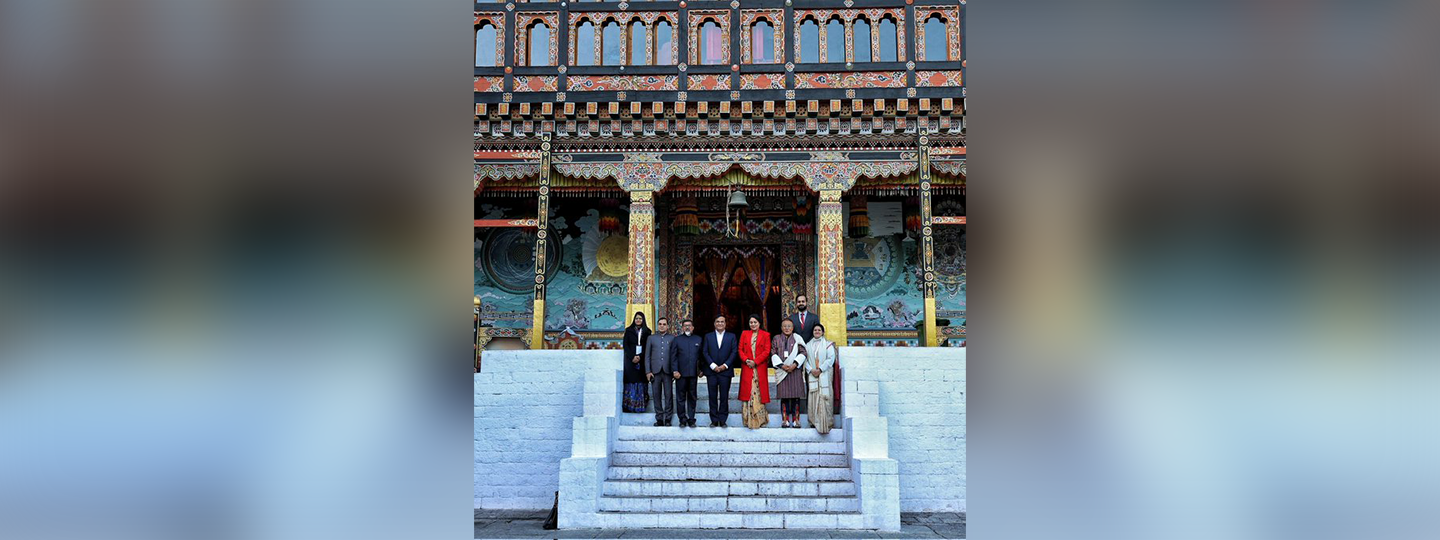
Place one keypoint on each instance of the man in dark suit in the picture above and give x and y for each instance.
(684, 367)
(719, 352)
(804, 320)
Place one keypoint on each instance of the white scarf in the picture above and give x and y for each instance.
(816, 349)
(776, 362)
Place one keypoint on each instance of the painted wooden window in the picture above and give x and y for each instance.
(888, 45)
(485, 45)
(610, 43)
(539, 45)
(862, 40)
(710, 42)
(809, 41)
(762, 42)
(637, 44)
(835, 41)
(585, 44)
(935, 39)
(664, 37)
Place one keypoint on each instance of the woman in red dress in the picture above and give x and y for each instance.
(754, 374)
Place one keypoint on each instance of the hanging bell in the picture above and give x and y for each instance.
(737, 199)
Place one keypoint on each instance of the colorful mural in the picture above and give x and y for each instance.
(586, 287)
(882, 283)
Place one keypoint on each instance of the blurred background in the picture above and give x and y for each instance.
(233, 265)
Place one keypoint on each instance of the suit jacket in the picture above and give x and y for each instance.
(685, 356)
(657, 354)
(805, 330)
(727, 353)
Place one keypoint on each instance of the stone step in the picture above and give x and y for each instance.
(782, 448)
(637, 488)
(729, 520)
(707, 457)
(703, 419)
(729, 504)
(672, 433)
(731, 474)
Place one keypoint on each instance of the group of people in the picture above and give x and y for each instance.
(667, 366)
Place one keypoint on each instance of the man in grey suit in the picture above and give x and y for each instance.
(657, 371)
(804, 320)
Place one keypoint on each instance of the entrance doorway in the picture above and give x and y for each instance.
(737, 281)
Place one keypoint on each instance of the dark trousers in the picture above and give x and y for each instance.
(719, 387)
(685, 396)
(662, 391)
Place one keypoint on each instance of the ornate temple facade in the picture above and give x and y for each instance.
(612, 137)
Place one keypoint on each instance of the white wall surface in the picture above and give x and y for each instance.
(525, 403)
(922, 395)
(525, 406)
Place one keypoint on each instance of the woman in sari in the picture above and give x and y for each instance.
(821, 356)
(636, 385)
(786, 356)
(754, 374)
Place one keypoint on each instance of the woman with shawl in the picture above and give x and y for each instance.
(821, 357)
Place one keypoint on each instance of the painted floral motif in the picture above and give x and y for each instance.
(489, 84)
(950, 167)
(504, 172)
(535, 83)
(622, 82)
(868, 79)
(709, 82)
(938, 78)
(762, 81)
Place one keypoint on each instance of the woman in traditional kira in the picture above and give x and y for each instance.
(754, 375)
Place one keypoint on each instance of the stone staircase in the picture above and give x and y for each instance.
(626, 473)
(729, 478)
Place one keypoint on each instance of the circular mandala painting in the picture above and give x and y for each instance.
(509, 259)
(872, 265)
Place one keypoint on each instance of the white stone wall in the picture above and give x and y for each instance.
(922, 395)
(526, 403)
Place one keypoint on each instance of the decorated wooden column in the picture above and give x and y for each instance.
(830, 266)
(640, 286)
(931, 333)
(542, 230)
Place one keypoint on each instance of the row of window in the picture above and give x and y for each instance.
(641, 46)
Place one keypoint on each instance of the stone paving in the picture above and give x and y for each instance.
(529, 524)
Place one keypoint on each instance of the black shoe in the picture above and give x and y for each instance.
(659, 423)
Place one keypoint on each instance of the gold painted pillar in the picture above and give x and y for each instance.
(930, 334)
(830, 266)
(640, 286)
(542, 230)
